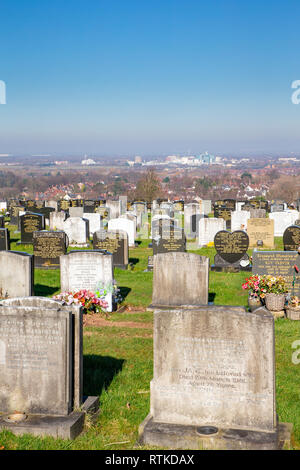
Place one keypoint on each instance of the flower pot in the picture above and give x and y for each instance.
(254, 302)
(293, 313)
(275, 302)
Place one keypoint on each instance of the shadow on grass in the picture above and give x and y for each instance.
(211, 296)
(44, 291)
(124, 291)
(99, 372)
(133, 260)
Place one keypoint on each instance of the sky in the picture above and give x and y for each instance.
(140, 77)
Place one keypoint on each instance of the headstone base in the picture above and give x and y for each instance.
(153, 307)
(80, 245)
(65, 427)
(124, 267)
(174, 436)
(230, 269)
(24, 243)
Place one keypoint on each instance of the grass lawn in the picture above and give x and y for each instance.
(118, 360)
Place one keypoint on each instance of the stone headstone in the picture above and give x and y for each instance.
(2, 221)
(16, 274)
(291, 238)
(213, 367)
(125, 225)
(261, 230)
(231, 249)
(41, 368)
(76, 211)
(48, 246)
(114, 208)
(279, 263)
(4, 239)
(239, 220)
(208, 229)
(192, 214)
(95, 222)
(14, 213)
(180, 279)
(169, 240)
(77, 230)
(115, 242)
(57, 220)
(282, 220)
(85, 270)
(257, 213)
(30, 222)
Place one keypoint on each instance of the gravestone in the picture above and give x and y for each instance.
(48, 246)
(14, 213)
(279, 263)
(4, 239)
(77, 230)
(57, 220)
(192, 215)
(16, 274)
(2, 221)
(261, 230)
(208, 229)
(171, 239)
(126, 225)
(30, 222)
(291, 238)
(86, 270)
(239, 220)
(257, 213)
(282, 220)
(179, 279)
(90, 206)
(95, 222)
(231, 252)
(115, 242)
(52, 203)
(114, 208)
(76, 211)
(63, 205)
(213, 385)
(41, 368)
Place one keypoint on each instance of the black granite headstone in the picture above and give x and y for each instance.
(231, 246)
(30, 222)
(115, 242)
(171, 239)
(291, 238)
(48, 246)
(4, 239)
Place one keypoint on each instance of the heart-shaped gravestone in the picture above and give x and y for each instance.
(291, 238)
(231, 246)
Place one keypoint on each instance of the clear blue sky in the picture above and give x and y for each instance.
(142, 77)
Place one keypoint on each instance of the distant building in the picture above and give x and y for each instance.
(138, 159)
(89, 161)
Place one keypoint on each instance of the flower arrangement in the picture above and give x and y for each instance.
(89, 301)
(110, 288)
(294, 302)
(260, 286)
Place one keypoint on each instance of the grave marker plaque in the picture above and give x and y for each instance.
(172, 239)
(291, 238)
(30, 223)
(261, 229)
(48, 246)
(279, 263)
(115, 242)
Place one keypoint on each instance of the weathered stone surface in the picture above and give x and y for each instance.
(208, 228)
(180, 279)
(76, 211)
(57, 220)
(35, 360)
(16, 274)
(261, 229)
(77, 230)
(214, 365)
(282, 220)
(125, 225)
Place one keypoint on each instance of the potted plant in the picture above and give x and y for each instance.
(293, 308)
(252, 284)
(273, 290)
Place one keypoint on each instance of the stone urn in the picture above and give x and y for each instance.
(275, 302)
(254, 302)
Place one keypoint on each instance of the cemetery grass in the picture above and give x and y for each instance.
(118, 363)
